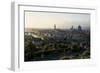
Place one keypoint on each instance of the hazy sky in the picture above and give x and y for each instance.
(62, 20)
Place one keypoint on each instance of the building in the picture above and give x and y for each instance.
(72, 28)
(79, 28)
(54, 26)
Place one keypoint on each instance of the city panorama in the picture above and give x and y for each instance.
(56, 36)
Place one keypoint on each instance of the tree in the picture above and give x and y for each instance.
(29, 48)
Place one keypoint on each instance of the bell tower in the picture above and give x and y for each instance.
(54, 26)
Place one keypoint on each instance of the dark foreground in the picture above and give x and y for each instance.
(41, 45)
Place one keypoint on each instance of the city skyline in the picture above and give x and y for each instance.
(46, 20)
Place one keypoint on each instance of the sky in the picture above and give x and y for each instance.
(47, 20)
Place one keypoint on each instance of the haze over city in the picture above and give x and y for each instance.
(46, 20)
(56, 36)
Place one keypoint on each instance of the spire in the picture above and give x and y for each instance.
(72, 28)
(54, 26)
